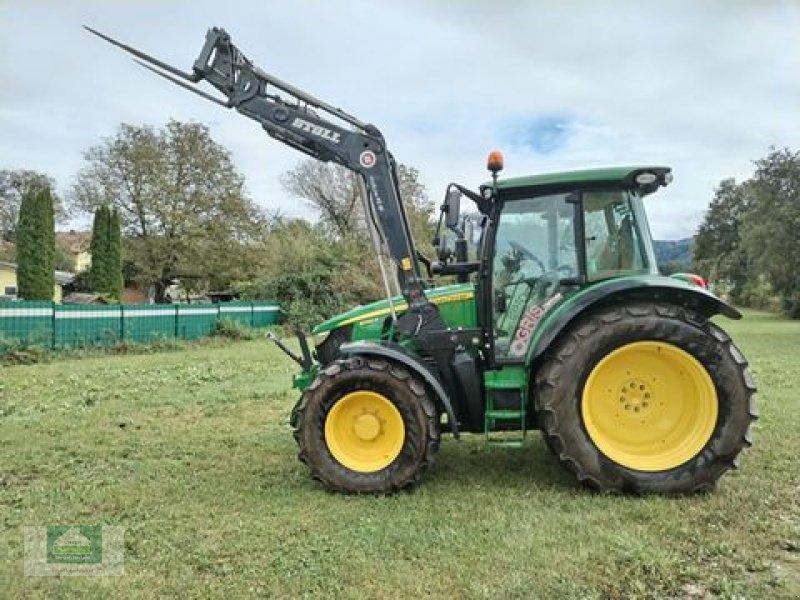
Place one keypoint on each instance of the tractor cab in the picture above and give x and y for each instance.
(547, 236)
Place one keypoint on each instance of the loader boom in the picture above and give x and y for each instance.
(311, 126)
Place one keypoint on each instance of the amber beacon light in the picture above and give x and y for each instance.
(495, 161)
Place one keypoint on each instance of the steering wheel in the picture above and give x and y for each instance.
(523, 252)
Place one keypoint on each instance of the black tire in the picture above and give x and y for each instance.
(408, 395)
(561, 379)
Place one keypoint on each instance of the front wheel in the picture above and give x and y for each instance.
(367, 425)
(646, 398)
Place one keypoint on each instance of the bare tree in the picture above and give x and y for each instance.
(333, 191)
(14, 184)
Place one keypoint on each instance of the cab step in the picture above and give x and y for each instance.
(505, 416)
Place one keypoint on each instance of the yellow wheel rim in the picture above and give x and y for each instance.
(364, 431)
(649, 406)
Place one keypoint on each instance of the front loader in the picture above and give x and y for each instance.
(558, 319)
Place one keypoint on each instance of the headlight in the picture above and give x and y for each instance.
(646, 178)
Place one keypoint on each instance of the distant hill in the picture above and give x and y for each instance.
(674, 255)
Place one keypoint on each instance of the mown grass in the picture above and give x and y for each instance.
(191, 453)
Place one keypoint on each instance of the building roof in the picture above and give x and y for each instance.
(73, 241)
(83, 298)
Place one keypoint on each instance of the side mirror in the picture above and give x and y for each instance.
(452, 207)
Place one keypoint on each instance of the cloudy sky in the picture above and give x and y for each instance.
(702, 86)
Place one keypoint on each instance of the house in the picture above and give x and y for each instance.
(76, 244)
(8, 282)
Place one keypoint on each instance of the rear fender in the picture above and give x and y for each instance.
(397, 353)
(656, 289)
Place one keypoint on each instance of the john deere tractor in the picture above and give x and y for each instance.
(554, 317)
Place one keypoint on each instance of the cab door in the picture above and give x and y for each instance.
(534, 253)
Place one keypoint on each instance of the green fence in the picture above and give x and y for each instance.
(69, 325)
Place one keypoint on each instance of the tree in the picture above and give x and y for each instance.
(311, 275)
(14, 184)
(98, 248)
(105, 275)
(36, 250)
(182, 204)
(115, 283)
(331, 190)
(718, 252)
(771, 226)
(334, 193)
(316, 271)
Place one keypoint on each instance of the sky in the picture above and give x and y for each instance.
(705, 87)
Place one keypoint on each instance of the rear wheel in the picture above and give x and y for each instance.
(646, 398)
(367, 426)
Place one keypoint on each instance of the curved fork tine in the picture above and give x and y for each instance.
(193, 77)
(185, 86)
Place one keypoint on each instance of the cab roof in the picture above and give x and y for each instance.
(608, 176)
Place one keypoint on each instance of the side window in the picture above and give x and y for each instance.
(10, 291)
(613, 244)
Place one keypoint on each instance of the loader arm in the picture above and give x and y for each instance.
(313, 127)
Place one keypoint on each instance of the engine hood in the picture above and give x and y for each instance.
(440, 295)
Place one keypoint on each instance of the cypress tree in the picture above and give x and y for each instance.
(36, 249)
(105, 276)
(98, 273)
(49, 238)
(115, 255)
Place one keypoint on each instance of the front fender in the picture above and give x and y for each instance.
(647, 289)
(398, 353)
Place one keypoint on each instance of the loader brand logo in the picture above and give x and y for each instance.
(317, 130)
(375, 194)
(367, 159)
(523, 337)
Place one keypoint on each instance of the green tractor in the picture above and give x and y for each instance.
(558, 320)
(565, 326)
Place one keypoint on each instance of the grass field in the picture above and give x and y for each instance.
(191, 453)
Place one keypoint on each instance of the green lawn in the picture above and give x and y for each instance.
(191, 453)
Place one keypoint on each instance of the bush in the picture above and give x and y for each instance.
(758, 293)
(312, 276)
(234, 330)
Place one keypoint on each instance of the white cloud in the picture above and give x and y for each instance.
(702, 86)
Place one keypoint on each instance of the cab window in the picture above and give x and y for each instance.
(613, 240)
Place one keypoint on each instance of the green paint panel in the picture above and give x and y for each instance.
(196, 321)
(456, 304)
(266, 313)
(238, 312)
(146, 323)
(29, 323)
(64, 326)
(510, 377)
(79, 325)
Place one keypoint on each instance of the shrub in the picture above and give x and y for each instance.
(233, 330)
(312, 276)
